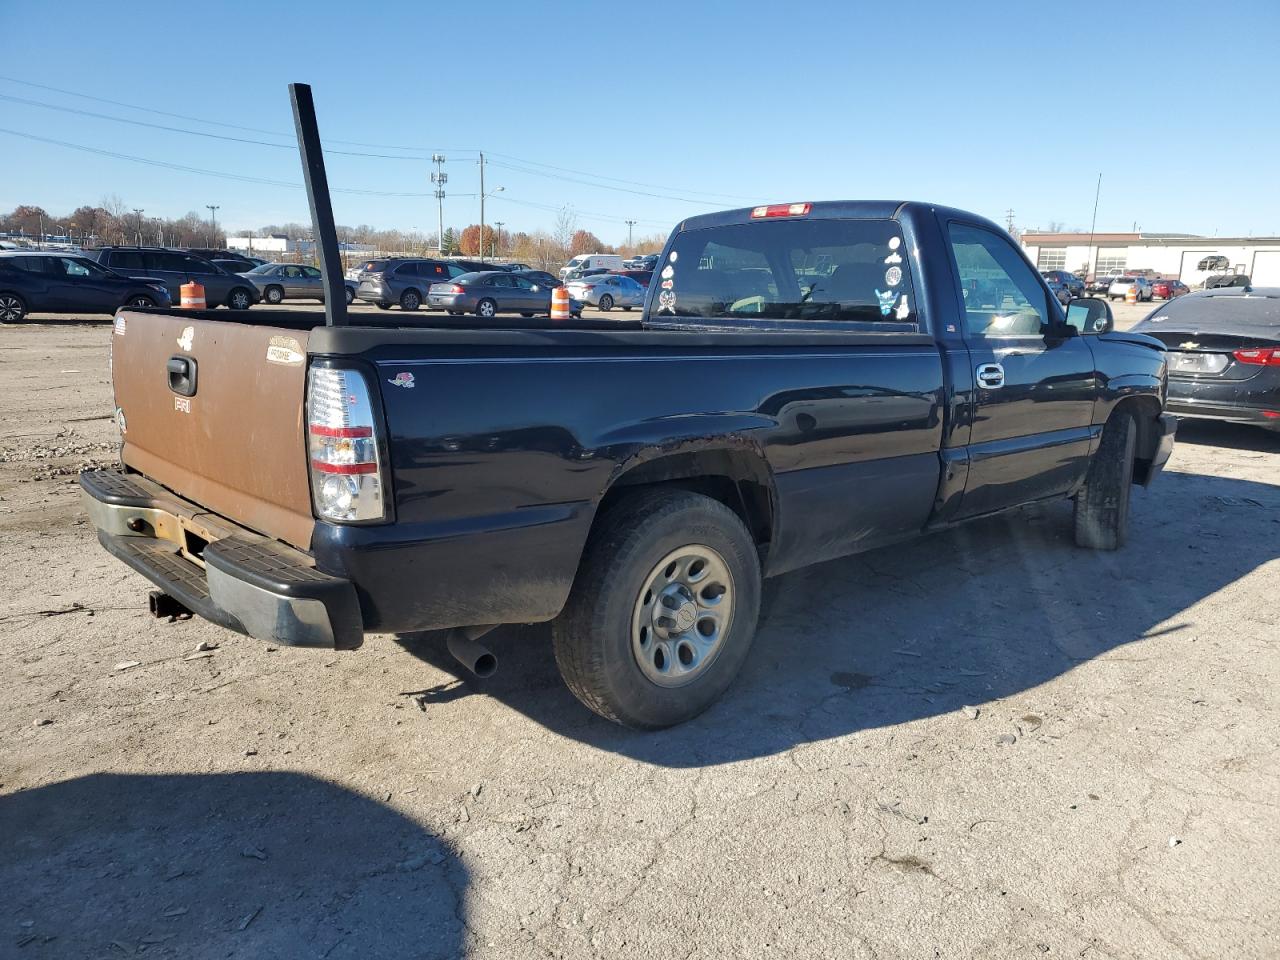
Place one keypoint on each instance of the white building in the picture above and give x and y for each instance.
(1176, 255)
(281, 246)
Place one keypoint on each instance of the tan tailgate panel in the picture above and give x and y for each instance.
(236, 447)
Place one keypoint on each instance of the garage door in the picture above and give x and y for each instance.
(1266, 268)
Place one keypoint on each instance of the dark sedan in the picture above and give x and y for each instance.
(1098, 286)
(1224, 354)
(49, 282)
(1073, 284)
(492, 292)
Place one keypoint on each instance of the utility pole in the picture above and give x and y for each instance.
(482, 206)
(1091, 268)
(630, 224)
(497, 247)
(1008, 221)
(439, 178)
(138, 214)
(213, 217)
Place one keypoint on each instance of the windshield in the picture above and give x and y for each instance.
(804, 270)
(467, 278)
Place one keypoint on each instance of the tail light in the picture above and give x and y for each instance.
(781, 210)
(1259, 356)
(454, 288)
(346, 474)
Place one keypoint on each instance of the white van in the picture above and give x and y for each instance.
(590, 261)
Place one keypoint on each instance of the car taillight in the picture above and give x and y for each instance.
(373, 276)
(454, 288)
(346, 474)
(1261, 356)
(782, 210)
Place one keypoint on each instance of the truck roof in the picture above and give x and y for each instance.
(839, 209)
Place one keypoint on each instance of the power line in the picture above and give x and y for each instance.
(634, 183)
(600, 186)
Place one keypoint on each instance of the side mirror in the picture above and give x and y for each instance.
(1090, 315)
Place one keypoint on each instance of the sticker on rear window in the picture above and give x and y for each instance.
(286, 351)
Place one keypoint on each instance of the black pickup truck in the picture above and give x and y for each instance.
(806, 381)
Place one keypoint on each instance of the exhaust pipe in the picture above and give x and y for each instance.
(165, 607)
(476, 657)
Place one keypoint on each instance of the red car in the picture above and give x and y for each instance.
(1168, 289)
(641, 277)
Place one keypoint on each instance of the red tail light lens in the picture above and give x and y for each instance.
(454, 288)
(346, 475)
(1260, 356)
(782, 210)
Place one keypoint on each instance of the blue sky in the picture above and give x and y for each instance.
(687, 107)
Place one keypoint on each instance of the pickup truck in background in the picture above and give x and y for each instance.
(806, 381)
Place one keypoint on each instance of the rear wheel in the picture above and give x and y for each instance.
(606, 302)
(663, 610)
(141, 301)
(273, 295)
(486, 308)
(239, 299)
(351, 295)
(1102, 507)
(12, 308)
(410, 300)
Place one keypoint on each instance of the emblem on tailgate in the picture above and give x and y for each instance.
(184, 341)
(1189, 345)
(285, 350)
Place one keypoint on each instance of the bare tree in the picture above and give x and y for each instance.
(566, 226)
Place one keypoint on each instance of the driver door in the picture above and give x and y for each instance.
(1034, 379)
(83, 286)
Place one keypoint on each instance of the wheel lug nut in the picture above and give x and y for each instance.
(670, 602)
(666, 623)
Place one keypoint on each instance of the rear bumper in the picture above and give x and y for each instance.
(238, 579)
(1231, 413)
(1237, 401)
(374, 292)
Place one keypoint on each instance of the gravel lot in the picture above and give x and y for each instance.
(988, 744)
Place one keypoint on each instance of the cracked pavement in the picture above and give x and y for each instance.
(1115, 796)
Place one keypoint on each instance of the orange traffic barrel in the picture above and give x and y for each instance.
(560, 304)
(1131, 295)
(192, 296)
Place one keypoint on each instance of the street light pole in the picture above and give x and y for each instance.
(138, 214)
(439, 178)
(482, 206)
(497, 247)
(213, 216)
(630, 224)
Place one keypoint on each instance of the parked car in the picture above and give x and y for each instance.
(642, 277)
(631, 481)
(1060, 290)
(608, 290)
(235, 266)
(1226, 280)
(175, 268)
(40, 282)
(471, 266)
(1168, 289)
(580, 274)
(584, 262)
(1224, 354)
(646, 261)
(278, 282)
(402, 280)
(1073, 284)
(226, 255)
(492, 292)
(1121, 287)
(1098, 286)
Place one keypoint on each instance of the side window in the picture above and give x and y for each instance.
(127, 260)
(407, 270)
(74, 268)
(311, 272)
(523, 283)
(292, 272)
(499, 280)
(196, 265)
(1003, 296)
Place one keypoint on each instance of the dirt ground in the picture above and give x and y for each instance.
(988, 744)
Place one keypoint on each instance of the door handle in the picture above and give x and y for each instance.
(990, 376)
(182, 375)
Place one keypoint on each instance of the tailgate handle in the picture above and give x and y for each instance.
(182, 376)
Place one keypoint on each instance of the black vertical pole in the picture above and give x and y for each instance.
(304, 122)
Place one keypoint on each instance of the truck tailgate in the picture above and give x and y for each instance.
(237, 445)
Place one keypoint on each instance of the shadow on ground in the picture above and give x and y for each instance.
(253, 865)
(982, 612)
(1234, 436)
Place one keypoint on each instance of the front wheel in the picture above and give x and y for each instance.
(663, 610)
(273, 295)
(351, 296)
(1102, 506)
(487, 309)
(140, 301)
(239, 299)
(12, 308)
(606, 302)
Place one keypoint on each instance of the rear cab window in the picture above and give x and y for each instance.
(849, 272)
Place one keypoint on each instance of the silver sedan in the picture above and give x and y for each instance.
(291, 281)
(607, 290)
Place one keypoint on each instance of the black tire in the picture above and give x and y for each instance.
(410, 300)
(239, 299)
(1102, 506)
(140, 300)
(12, 308)
(351, 296)
(384, 306)
(486, 308)
(606, 302)
(273, 295)
(593, 634)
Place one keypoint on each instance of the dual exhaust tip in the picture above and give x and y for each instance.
(463, 642)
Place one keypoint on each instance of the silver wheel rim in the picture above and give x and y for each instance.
(606, 302)
(10, 308)
(682, 614)
(240, 300)
(487, 309)
(274, 295)
(410, 301)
